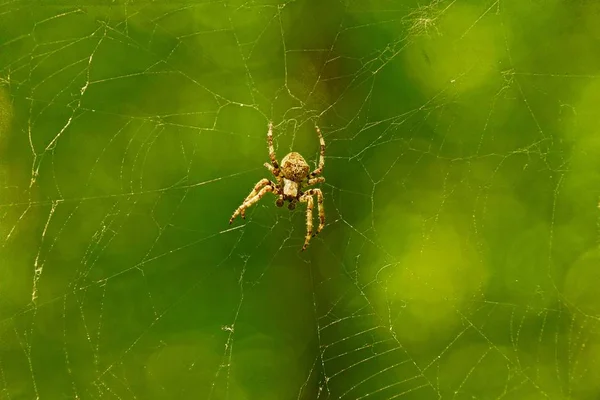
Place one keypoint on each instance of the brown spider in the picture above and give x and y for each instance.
(291, 178)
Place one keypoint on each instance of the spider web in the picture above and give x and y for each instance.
(460, 255)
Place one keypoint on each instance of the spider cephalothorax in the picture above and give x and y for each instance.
(291, 176)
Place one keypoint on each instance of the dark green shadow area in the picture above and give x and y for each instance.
(460, 255)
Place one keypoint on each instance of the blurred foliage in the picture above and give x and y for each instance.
(460, 258)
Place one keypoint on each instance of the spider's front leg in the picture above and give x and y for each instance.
(319, 194)
(249, 202)
(309, 216)
(307, 198)
(253, 193)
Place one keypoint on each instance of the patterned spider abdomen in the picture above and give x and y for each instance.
(294, 167)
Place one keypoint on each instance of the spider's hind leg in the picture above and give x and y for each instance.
(314, 181)
(272, 155)
(319, 169)
(275, 171)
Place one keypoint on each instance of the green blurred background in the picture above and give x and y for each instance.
(460, 259)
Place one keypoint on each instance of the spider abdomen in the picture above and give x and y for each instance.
(294, 167)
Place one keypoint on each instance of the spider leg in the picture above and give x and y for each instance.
(270, 167)
(322, 155)
(251, 201)
(274, 171)
(309, 223)
(319, 194)
(253, 193)
(271, 148)
(314, 181)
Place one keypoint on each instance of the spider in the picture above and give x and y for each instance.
(292, 177)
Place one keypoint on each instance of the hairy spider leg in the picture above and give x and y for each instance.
(251, 201)
(322, 155)
(276, 173)
(270, 167)
(309, 216)
(314, 181)
(253, 193)
(319, 194)
(271, 148)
